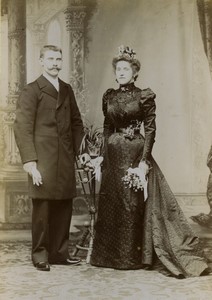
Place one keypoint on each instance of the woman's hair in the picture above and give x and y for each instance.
(129, 55)
(49, 47)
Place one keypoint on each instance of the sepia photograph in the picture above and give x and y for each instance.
(106, 149)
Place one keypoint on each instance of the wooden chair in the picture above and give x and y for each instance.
(88, 185)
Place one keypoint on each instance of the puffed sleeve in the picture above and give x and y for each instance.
(149, 107)
(108, 126)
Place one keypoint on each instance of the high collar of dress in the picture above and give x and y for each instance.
(127, 87)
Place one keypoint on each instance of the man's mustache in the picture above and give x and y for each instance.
(56, 68)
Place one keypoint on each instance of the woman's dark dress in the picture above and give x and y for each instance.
(131, 233)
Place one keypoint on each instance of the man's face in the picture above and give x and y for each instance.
(51, 62)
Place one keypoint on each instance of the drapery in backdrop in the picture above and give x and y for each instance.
(174, 66)
(205, 19)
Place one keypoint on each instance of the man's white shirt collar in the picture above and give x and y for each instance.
(53, 81)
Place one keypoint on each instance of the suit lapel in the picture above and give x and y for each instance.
(47, 87)
(63, 90)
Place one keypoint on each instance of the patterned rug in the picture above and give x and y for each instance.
(20, 280)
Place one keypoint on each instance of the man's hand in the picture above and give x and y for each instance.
(31, 168)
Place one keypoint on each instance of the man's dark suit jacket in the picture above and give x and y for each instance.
(48, 129)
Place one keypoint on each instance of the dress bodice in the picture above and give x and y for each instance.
(127, 104)
(123, 106)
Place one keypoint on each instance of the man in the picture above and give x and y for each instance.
(48, 131)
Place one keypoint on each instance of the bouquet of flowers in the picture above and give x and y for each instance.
(135, 179)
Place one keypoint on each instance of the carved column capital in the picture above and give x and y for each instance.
(75, 16)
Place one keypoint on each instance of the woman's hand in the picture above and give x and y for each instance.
(144, 167)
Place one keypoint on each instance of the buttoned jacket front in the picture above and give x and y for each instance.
(48, 129)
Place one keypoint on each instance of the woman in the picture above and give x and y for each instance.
(132, 232)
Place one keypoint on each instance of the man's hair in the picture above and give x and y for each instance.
(49, 47)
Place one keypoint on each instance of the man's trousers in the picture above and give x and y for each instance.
(50, 230)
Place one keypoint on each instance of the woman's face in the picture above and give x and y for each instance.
(124, 72)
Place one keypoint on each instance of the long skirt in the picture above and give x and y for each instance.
(131, 233)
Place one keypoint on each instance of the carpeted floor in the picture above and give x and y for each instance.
(20, 280)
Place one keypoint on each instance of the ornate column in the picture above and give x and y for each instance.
(14, 203)
(17, 77)
(75, 16)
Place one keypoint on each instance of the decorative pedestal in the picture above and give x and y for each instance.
(15, 209)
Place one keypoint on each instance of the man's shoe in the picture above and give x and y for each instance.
(42, 266)
(70, 261)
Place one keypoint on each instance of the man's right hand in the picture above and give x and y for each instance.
(31, 168)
